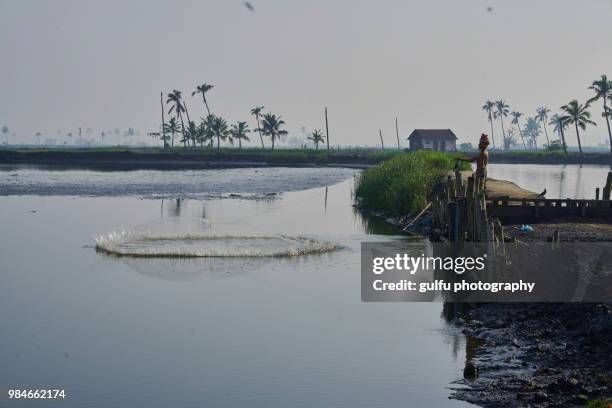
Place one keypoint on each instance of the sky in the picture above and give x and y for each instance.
(102, 64)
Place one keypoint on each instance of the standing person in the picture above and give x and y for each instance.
(482, 160)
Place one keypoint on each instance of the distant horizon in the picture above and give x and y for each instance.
(68, 64)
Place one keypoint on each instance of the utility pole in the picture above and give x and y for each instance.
(161, 101)
(397, 134)
(381, 139)
(326, 128)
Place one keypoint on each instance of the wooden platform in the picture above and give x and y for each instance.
(507, 200)
(501, 189)
(548, 208)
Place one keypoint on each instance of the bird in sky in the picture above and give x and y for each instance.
(249, 6)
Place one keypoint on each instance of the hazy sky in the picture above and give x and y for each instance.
(102, 64)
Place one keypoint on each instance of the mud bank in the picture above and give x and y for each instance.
(538, 355)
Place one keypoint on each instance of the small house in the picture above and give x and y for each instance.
(442, 140)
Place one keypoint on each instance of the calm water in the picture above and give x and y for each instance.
(560, 181)
(290, 332)
(282, 332)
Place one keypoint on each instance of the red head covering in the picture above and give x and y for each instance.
(484, 139)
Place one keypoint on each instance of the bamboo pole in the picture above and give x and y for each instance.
(423, 211)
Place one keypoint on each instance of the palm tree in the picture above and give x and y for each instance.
(202, 133)
(579, 116)
(176, 99)
(256, 111)
(239, 132)
(515, 121)
(510, 140)
(271, 126)
(488, 108)
(172, 127)
(202, 89)
(559, 125)
(130, 134)
(316, 137)
(208, 125)
(5, 131)
(219, 129)
(603, 90)
(542, 116)
(38, 135)
(532, 131)
(192, 133)
(502, 110)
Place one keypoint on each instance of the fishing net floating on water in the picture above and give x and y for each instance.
(201, 240)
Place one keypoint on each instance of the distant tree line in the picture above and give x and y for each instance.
(212, 130)
(573, 114)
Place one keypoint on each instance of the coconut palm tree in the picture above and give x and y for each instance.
(579, 116)
(515, 121)
(209, 134)
(316, 137)
(239, 132)
(271, 126)
(559, 125)
(202, 89)
(172, 127)
(5, 131)
(130, 134)
(256, 111)
(603, 90)
(219, 129)
(542, 116)
(192, 133)
(488, 108)
(510, 140)
(501, 110)
(175, 98)
(532, 131)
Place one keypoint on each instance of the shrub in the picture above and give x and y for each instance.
(402, 184)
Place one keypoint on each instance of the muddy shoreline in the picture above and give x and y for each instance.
(533, 354)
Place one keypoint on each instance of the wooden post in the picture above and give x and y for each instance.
(583, 208)
(470, 207)
(608, 187)
(458, 184)
(161, 100)
(326, 128)
(397, 134)
(483, 218)
(381, 139)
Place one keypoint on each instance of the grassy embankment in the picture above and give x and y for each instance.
(65, 155)
(401, 185)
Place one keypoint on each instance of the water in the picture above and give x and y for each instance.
(253, 331)
(560, 181)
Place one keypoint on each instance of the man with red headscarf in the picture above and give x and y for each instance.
(482, 160)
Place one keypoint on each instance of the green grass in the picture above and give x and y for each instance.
(401, 185)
